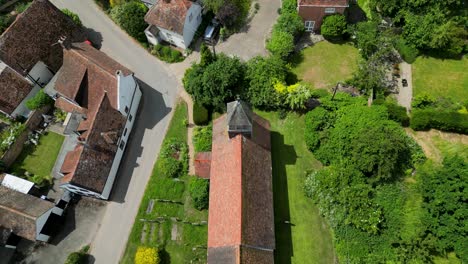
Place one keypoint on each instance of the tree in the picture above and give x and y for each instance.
(262, 73)
(231, 13)
(39, 100)
(333, 27)
(147, 255)
(298, 97)
(367, 38)
(199, 191)
(290, 23)
(73, 16)
(228, 14)
(206, 57)
(281, 44)
(130, 16)
(216, 83)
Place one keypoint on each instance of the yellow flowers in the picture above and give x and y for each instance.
(147, 255)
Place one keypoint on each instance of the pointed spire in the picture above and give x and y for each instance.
(239, 118)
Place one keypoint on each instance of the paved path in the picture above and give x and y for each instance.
(405, 94)
(160, 89)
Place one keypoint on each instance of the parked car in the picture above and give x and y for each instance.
(404, 82)
(211, 32)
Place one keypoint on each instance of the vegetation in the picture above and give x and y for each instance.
(130, 16)
(441, 78)
(231, 13)
(425, 119)
(79, 257)
(289, 22)
(39, 100)
(199, 191)
(60, 115)
(200, 114)
(73, 16)
(301, 233)
(167, 54)
(315, 64)
(177, 191)
(280, 44)
(147, 255)
(38, 161)
(334, 27)
(9, 135)
(202, 137)
(173, 158)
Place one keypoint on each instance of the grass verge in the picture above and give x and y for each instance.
(175, 239)
(307, 238)
(325, 64)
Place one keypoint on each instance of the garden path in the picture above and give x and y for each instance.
(188, 99)
(405, 94)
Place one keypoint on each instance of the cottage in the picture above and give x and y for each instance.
(173, 21)
(101, 97)
(313, 11)
(28, 56)
(241, 221)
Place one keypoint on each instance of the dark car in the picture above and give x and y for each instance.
(211, 32)
(404, 82)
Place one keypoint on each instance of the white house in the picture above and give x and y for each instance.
(173, 21)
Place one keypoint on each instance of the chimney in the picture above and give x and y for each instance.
(64, 42)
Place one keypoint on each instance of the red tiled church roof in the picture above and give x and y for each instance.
(241, 221)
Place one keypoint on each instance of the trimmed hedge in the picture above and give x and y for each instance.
(316, 121)
(202, 137)
(407, 52)
(199, 191)
(167, 54)
(398, 114)
(200, 115)
(445, 121)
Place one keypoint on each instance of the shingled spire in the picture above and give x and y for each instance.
(239, 119)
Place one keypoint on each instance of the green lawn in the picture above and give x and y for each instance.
(325, 64)
(40, 159)
(307, 239)
(441, 78)
(159, 187)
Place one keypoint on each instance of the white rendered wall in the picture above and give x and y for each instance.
(191, 26)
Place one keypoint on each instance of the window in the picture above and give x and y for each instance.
(125, 132)
(329, 10)
(190, 18)
(122, 145)
(309, 26)
(126, 109)
(130, 117)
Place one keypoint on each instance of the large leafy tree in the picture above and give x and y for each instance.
(334, 26)
(130, 16)
(290, 23)
(281, 44)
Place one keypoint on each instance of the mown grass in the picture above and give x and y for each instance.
(306, 238)
(188, 236)
(324, 64)
(39, 160)
(441, 78)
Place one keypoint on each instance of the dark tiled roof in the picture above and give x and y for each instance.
(30, 38)
(5, 233)
(324, 3)
(225, 255)
(169, 14)
(239, 116)
(19, 211)
(241, 198)
(203, 164)
(13, 89)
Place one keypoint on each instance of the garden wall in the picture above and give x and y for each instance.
(15, 149)
(35, 118)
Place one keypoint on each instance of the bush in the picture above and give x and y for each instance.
(446, 121)
(281, 44)
(167, 54)
(334, 27)
(200, 114)
(288, 6)
(39, 100)
(202, 137)
(423, 101)
(397, 113)
(60, 115)
(170, 167)
(407, 52)
(316, 121)
(199, 191)
(147, 255)
(79, 257)
(73, 16)
(130, 16)
(290, 23)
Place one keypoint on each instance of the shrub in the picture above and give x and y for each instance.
(200, 114)
(397, 113)
(199, 191)
(206, 57)
(281, 44)
(73, 16)
(39, 100)
(407, 52)
(79, 257)
(446, 121)
(167, 54)
(316, 121)
(290, 23)
(423, 101)
(147, 255)
(202, 137)
(114, 3)
(334, 27)
(60, 115)
(288, 6)
(130, 16)
(170, 167)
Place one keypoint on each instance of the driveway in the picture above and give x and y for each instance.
(250, 42)
(405, 94)
(160, 89)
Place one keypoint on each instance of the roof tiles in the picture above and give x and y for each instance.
(169, 14)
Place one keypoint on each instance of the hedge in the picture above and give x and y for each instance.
(200, 114)
(167, 54)
(170, 167)
(397, 113)
(202, 137)
(407, 52)
(199, 191)
(445, 121)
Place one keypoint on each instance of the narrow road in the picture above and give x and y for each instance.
(405, 94)
(160, 88)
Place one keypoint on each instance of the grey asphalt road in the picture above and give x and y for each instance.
(160, 88)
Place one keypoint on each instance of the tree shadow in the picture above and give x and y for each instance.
(282, 155)
(355, 14)
(95, 37)
(151, 111)
(164, 256)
